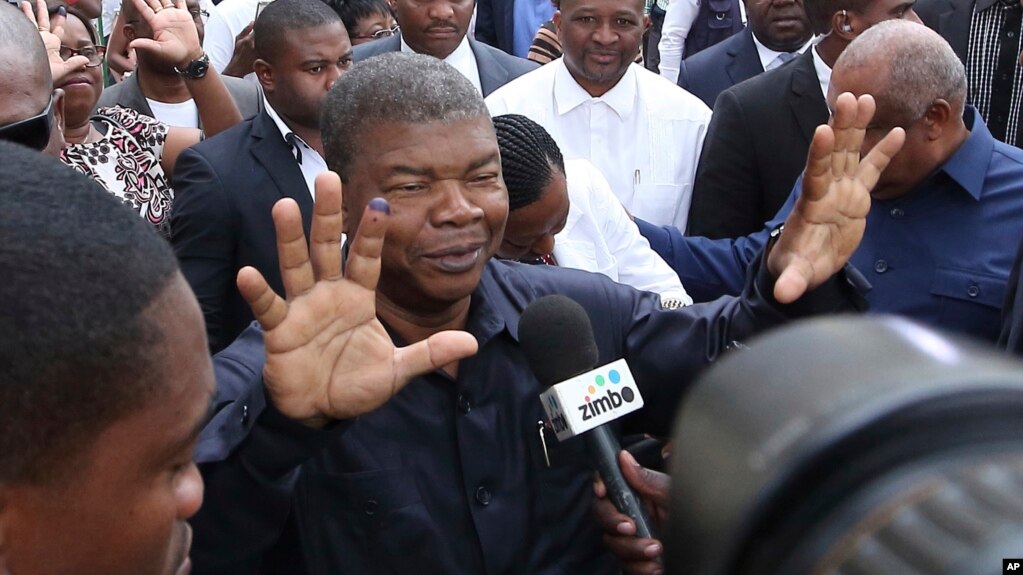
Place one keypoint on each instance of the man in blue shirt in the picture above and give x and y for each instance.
(945, 216)
(434, 458)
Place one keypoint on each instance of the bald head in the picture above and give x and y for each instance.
(25, 82)
(914, 68)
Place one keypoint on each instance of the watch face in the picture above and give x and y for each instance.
(198, 68)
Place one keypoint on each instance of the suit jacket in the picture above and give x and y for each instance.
(225, 188)
(495, 23)
(720, 67)
(496, 67)
(755, 149)
(951, 19)
(128, 94)
(1011, 336)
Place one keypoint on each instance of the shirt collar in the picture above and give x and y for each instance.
(822, 69)
(461, 52)
(569, 95)
(461, 59)
(968, 165)
(768, 55)
(286, 132)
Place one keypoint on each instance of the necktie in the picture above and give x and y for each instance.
(295, 145)
(783, 58)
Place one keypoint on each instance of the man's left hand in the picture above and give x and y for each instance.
(175, 38)
(828, 220)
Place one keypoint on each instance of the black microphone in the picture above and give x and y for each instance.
(557, 338)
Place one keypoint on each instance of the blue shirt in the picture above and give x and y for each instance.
(449, 476)
(528, 16)
(941, 254)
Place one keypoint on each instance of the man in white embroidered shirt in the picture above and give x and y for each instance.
(644, 132)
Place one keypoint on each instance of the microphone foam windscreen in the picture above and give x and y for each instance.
(557, 338)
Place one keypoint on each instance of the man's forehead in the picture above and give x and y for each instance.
(623, 5)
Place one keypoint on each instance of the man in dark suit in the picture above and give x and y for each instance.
(777, 31)
(761, 128)
(438, 28)
(156, 79)
(993, 28)
(227, 185)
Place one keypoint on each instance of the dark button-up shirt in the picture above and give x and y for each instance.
(940, 254)
(449, 476)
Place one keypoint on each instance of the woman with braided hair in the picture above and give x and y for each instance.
(564, 213)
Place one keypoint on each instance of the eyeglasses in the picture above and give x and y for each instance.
(93, 53)
(199, 15)
(33, 132)
(382, 33)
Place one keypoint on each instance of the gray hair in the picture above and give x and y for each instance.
(393, 87)
(921, 67)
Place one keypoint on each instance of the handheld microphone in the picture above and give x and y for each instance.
(557, 338)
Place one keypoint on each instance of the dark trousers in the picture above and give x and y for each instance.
(651, 56)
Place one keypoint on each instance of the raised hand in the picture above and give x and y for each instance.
(244, 53)
(175, 38)
(49, 31)
(827, 222)
(327, 355)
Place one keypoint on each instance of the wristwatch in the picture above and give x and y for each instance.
(773, 239)
(196, 68)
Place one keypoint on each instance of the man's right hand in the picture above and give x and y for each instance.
(327, 355)
(244, 53)
(638, 556)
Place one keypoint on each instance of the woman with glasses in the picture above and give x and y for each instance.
(133, 155)
(365, 20)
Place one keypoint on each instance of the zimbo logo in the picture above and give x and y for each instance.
(558, 420)
(596, 403)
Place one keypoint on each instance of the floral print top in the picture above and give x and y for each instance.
(126, 161)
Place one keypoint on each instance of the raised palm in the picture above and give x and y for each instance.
(327, 355)
(175, 38)
(828, 220)
(50, 30)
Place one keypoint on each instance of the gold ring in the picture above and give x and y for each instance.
(157, 9)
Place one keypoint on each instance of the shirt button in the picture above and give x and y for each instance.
(464, 405)
(245, 414)
(370, 506)
(897, 213)
(973, 290)
(483, 496)
(880, 266)
(1011, 34)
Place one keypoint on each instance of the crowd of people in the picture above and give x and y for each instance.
(265, 261)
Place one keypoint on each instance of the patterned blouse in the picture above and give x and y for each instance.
(126, 161)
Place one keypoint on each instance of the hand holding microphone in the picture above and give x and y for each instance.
(639, 556)
(557, 340)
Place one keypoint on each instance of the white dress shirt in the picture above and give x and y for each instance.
(227, 20)
(823, 71)
(678, 19)
(600, 237)
(311, 163)
(769, 58)
(462, 59)
(645, 134)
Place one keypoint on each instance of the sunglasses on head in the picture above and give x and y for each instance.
(33, 132)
